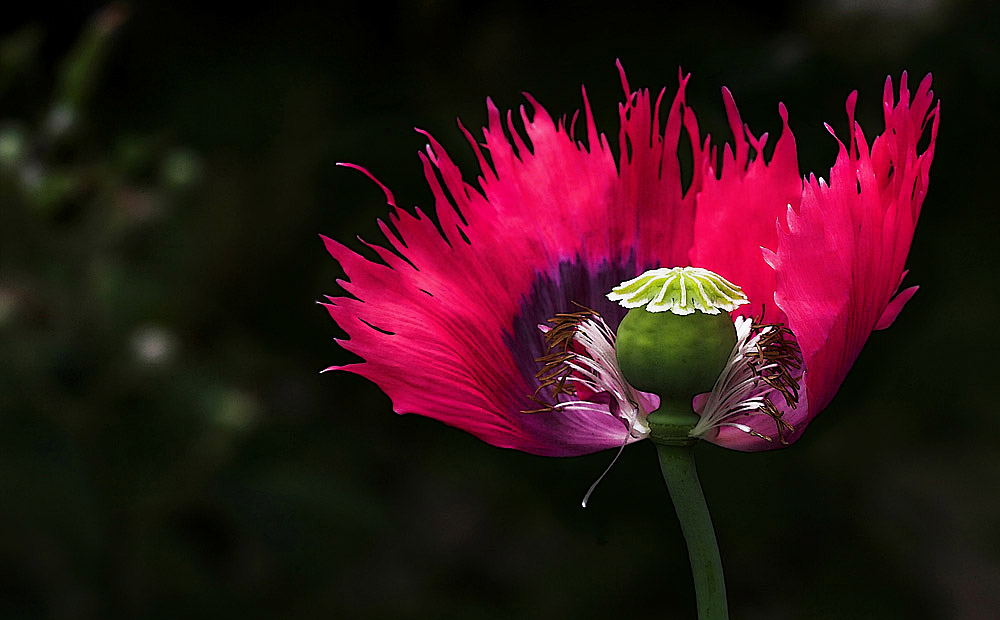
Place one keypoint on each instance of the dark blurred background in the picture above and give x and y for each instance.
(168, 448)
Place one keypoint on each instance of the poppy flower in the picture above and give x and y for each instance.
(494, 316)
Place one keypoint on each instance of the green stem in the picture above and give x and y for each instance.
(681, 476)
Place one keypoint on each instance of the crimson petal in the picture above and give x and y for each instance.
(840, 256)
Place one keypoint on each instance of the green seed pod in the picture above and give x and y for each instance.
(674, 356)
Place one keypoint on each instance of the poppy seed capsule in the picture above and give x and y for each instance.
(675, 341)
(674, 356)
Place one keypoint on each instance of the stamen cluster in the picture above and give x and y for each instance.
(580, 368)
(765, 362)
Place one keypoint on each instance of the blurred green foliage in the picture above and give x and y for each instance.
(168, 448)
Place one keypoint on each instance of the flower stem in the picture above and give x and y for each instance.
(681, 476)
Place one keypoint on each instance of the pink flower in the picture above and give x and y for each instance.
(449, 325)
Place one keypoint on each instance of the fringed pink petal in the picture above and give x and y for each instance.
(840, 255)
(435, 362)
(654, 207)
(446, 322)
(737, 210)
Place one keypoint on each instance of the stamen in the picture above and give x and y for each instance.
(590, 491)
(775, 414)
(766, 360)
